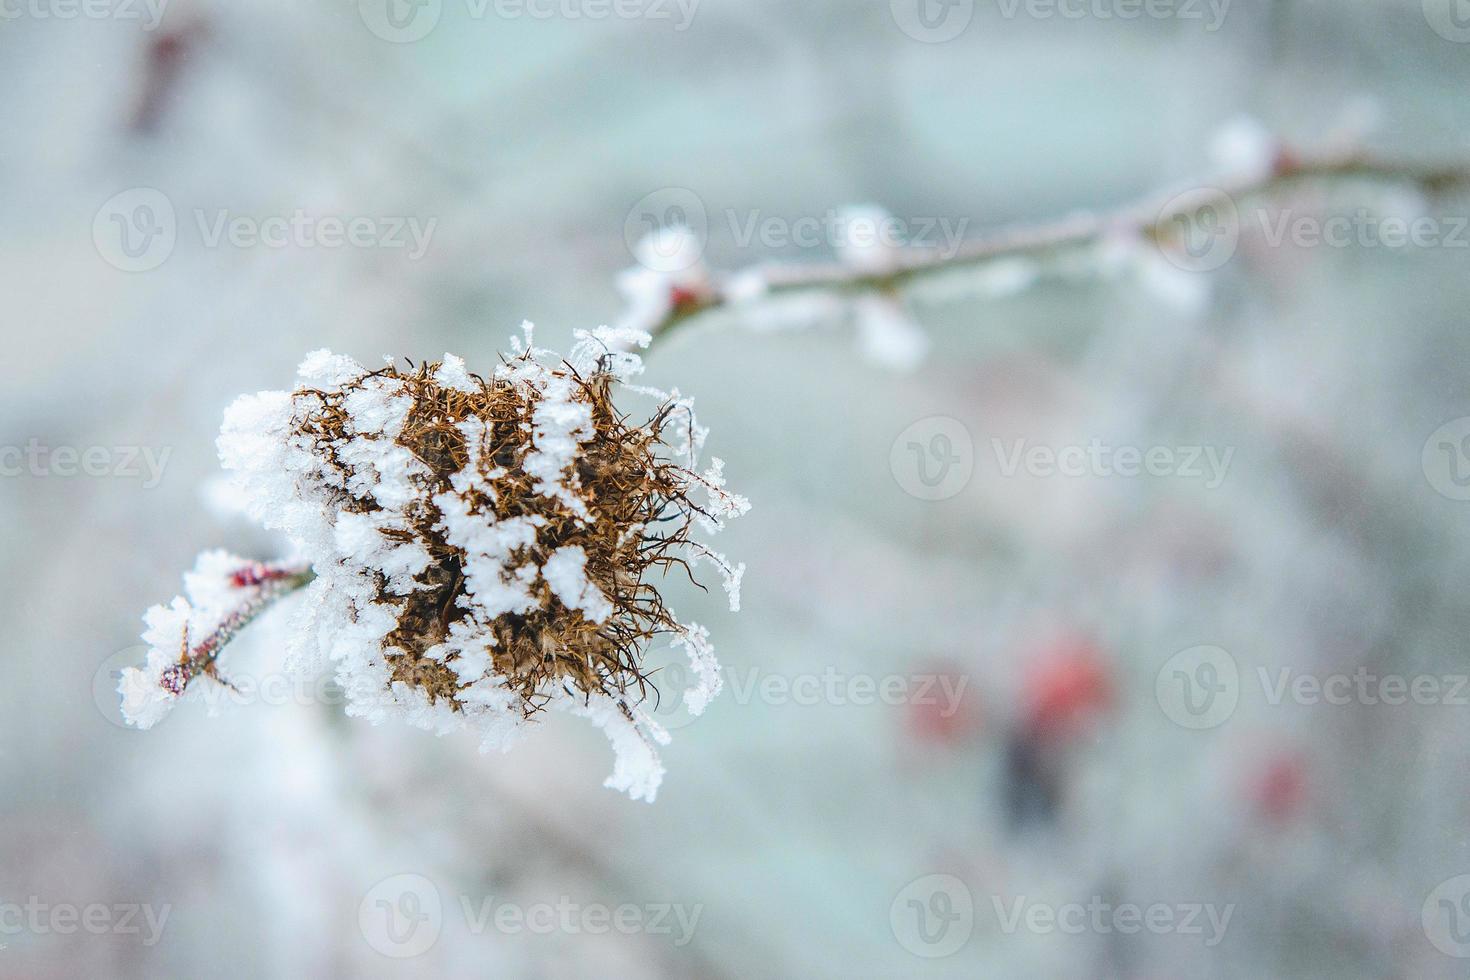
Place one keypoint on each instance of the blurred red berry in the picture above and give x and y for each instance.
(683, 298)
(1067, 687)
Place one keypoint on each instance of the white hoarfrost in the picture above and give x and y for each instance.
(220, 595)
(363, 560)
(1244, 149)
(670, 270)
(565, 571)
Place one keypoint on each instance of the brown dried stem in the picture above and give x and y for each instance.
(268, 584)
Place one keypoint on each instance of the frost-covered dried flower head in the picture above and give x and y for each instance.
(486, 548)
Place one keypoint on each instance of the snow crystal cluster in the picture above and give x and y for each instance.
(484, 548)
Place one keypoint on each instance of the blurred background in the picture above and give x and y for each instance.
(983, 716)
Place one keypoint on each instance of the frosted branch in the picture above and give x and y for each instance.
(1153, 219)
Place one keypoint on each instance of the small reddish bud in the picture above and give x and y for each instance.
(174, 679)
(1286, 163)
(683, 298)
(258, 573)
(253, 574)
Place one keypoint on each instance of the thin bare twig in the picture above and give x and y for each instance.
(274, 583)
(1151, 219)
